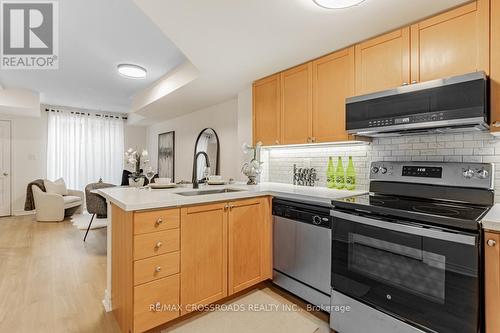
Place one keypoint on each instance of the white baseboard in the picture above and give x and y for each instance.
(23, 212)
(107, 301)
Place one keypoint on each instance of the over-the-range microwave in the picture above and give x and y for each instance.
(457, 103)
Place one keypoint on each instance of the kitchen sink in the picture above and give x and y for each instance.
(206, 192)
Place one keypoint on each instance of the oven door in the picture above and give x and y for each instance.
(426, 277)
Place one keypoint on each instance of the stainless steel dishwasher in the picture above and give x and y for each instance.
(302, 250)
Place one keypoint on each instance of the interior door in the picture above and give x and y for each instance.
(5, 177)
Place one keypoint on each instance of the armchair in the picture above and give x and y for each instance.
(51, 207)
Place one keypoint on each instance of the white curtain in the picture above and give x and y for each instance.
(84, 148)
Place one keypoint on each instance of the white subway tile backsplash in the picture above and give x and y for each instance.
(484, 151)
(458, 147)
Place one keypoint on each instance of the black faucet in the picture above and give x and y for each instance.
(195, 166)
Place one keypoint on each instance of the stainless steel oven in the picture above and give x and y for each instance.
(427, 276)
(406, 257)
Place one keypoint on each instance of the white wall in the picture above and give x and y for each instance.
(223, 118)
(244, 126)
(135, 136)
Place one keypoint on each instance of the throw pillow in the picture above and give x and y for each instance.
(57, 187)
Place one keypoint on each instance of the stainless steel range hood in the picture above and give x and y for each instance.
(454, 104)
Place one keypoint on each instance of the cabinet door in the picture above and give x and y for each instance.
(267, 110)
(296, 104)
(383, 62)
(495, 66)
(333, 82)
(492, 281)
(452, 43)
(203, 254)
(249, 243)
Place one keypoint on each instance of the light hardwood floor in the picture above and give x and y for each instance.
(50, 280)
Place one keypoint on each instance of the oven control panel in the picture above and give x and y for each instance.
(422, 171)
(478, 175)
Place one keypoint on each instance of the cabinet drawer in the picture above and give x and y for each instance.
(156, 267)
(155, 243)
(161, 294)
(156, 220)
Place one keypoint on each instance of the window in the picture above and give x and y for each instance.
(82, 148)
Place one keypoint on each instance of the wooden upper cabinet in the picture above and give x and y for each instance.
(492, 281)
(267, 110)
(453, 43)
(296, 104)
(333, 82)
(203, 254)
(495, 66)
(383, 62)
(249, 243)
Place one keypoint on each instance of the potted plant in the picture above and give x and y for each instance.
(136, 160)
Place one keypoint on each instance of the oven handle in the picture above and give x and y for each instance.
(431, 233)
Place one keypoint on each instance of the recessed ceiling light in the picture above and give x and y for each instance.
(337, 4)
(132, 71)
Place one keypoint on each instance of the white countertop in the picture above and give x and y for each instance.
(492, 220)
(129, 199)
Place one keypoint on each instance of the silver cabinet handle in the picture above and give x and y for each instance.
(405, 84)
(158, 269)
(5, 174)
(158, 245)
(496, 124)
(491, 242)
(414, 81)
(158, 221)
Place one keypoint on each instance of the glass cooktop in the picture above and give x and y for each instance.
(458, 215)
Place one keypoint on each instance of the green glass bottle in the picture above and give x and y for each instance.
(330, 174)
(350, 176)
(340, 175)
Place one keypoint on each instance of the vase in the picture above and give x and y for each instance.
(136, 181)
(252, 180)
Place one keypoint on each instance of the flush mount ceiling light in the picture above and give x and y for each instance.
(132, 71)
(337, 4)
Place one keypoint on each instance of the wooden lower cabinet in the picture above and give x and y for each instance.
(200, 255)
(155, 303)
(203, 255)
(249, 243)
(492, 281)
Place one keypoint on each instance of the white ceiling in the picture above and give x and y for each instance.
(233, 42)
(94, 36)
